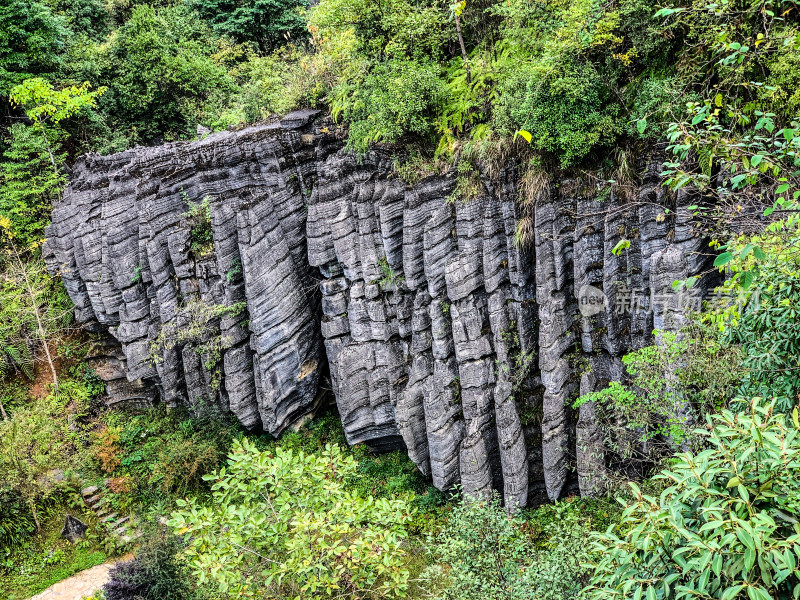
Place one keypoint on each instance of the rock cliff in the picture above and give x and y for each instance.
(435, 331)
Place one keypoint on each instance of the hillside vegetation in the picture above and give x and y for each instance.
(577, 88)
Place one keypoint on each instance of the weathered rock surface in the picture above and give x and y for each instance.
(74, 529)
(438, 333)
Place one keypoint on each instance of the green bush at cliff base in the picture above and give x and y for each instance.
(485, 552)
(726, 526)
(283, 524)
(768, 331)
(163, 453)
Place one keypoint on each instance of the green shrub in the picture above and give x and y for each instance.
(657, 102)
(393, 30)
(157, 572)
(566, 111)
(669, 386)
(726, 527)
(278, 83)
(161, 75)
(16, 519)
(199, 219)
(768, 331)
(181, 464)
(389, 475)
(282, 524)
(267, 23)
(395, 101)
(483, 552)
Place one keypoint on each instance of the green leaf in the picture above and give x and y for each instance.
(716, 564)
(641, 125)
(723, 259)
(731, 592)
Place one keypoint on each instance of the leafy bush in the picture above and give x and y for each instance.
(267, 23)
(282, 524)
(16, 519)
(161, 75)
(199, 218)
(483, 552)
(393, 30)
(181, 464)
(396, 100)
(669, 386)
(289, 79)
(768, 331)
(157, 572)
(565, 112)
(31, 41)
(724, 529)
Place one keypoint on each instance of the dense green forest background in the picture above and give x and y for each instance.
(580, 89)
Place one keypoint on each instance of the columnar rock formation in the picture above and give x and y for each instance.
(436, 332)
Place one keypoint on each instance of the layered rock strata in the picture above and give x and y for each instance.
(436, 331)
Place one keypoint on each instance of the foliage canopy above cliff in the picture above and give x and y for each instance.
(579, 76)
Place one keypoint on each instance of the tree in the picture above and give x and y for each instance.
(456, 10)
(36, 313)
(89, 17)
(162, 74)
(283, 525)
(267, 23)
(32, 176)
(726, 526)
(31, 40)
(29, 184)
(44, 105)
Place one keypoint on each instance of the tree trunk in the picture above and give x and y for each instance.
(39, 326)
(463, 47)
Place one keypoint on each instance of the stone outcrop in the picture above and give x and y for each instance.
(436, 331)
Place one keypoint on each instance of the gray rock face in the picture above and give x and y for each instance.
(438, 333)
(74, 529)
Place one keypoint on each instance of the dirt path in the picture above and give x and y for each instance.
(81, 584)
